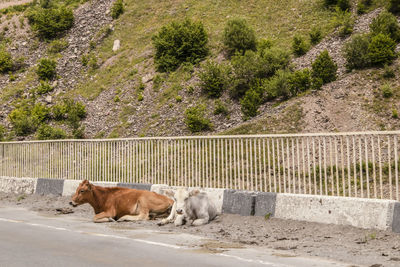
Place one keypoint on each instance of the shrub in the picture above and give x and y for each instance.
(56, 46)
(394, 6)
(2, 132)
(79, 133)
(387, 90)
(264, 44)
(21, 119)
(213, 79)
(51, 22)
(71, 111)
(195, 119)
(344, 22)
(46, 69)
(388, 72)
(6, 63)
(315, 35)
(395, 114)
(39, 113)
(344, 4)
(299, 81)
(46, 132)
(278, 85)
(381, 50)
(117, 9)
(299, 45)
(385, 23)
(272, 60)
(245, 69)
(44, 88)
(356, 52)
(324, 68)
(239, 37)
(220, 108)
(180, 42)
(250, 103)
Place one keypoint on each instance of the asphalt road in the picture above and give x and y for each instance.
(31, 239)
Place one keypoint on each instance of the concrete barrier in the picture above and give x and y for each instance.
(358, 212)
(17, 185)
(49, 186)
(265, 204)
(70, 187)
(239, 202)
(136, 186)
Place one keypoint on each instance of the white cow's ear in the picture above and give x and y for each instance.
(194, 192)
(169, 193)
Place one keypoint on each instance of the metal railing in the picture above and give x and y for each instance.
(339, 164)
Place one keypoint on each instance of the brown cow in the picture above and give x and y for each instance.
(118, 203)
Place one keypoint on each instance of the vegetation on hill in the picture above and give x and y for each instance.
(189, 65)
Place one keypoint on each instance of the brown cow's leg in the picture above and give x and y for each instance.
(103, 217)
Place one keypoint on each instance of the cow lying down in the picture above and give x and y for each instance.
(119, 203)
(192, 208)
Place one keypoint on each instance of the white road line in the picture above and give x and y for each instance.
(139, 240)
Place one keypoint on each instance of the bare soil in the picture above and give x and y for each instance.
(361, 247)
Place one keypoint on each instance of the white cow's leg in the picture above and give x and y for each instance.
(171, 216)
(179, 220)
(200, 221)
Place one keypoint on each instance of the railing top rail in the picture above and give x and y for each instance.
(212, 137)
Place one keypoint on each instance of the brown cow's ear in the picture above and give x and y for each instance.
(89, 186)
(194, 192)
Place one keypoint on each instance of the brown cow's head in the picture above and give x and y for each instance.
(82, 195)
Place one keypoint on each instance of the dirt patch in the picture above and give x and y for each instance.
(292, 238)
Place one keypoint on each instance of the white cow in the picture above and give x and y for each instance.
(192, 208)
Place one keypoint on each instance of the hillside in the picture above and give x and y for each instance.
(125, 96)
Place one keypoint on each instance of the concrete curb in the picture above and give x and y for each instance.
(363, 213)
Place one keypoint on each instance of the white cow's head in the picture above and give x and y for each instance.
(181, 195)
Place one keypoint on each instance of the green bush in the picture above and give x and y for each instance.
(299, 81)
(343, 21)
(394, 6)
(342, 4)
(239, 37)
(324, 68)
(43, 88)
(46, 132)
(46, 69)
(2, 132)
(117, 9)
(356, 52)
(56, 46)
(220, 108)
(213, 78)
(299, 45)
(381, 50)
(385, 23)
(315, 35)
(50, 22)
(39, 113)
(278, 86)
(6, 63)
(25, 119)
(245, 70)
(69, 110)
(250, 103)
(264, 44)
(180, 42)
(388, 72)
(387, 90)
(195, 119)
(272, 60)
